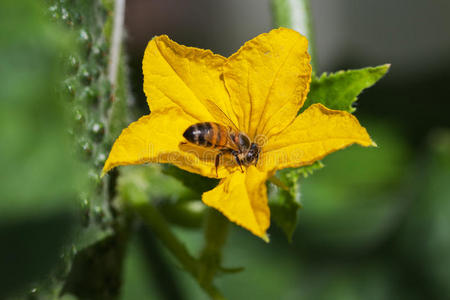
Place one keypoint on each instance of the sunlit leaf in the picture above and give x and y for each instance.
(341, 89)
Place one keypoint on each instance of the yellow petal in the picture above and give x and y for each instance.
(242, 198)
(185, 77)
(315, 133)
(156, 138)
(268, 80)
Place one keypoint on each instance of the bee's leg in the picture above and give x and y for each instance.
(217, 162)
(238, 160)
(257, 158)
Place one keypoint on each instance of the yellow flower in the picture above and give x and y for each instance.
(260, 88)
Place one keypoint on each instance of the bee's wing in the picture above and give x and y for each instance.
(216, 111)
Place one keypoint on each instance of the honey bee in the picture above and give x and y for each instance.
(226, 138)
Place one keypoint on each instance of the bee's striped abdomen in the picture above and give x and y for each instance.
(199, 134)
(219, 135)
(207, 134)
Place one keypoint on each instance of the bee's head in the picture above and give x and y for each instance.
(252, 154)
(248, 151)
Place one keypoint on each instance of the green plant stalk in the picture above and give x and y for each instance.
(296, 14)
(116, 41)
(134, 195)
(198, 269)
(136, 199)
(153, 218)
(216, 232)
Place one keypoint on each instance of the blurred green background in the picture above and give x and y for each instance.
(375, 223)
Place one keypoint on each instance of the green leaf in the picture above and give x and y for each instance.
(340, 90)
(284, 199)
(284, 196)
(309, 170)
(283, 209)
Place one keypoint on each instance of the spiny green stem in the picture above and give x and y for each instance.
(296, 14)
